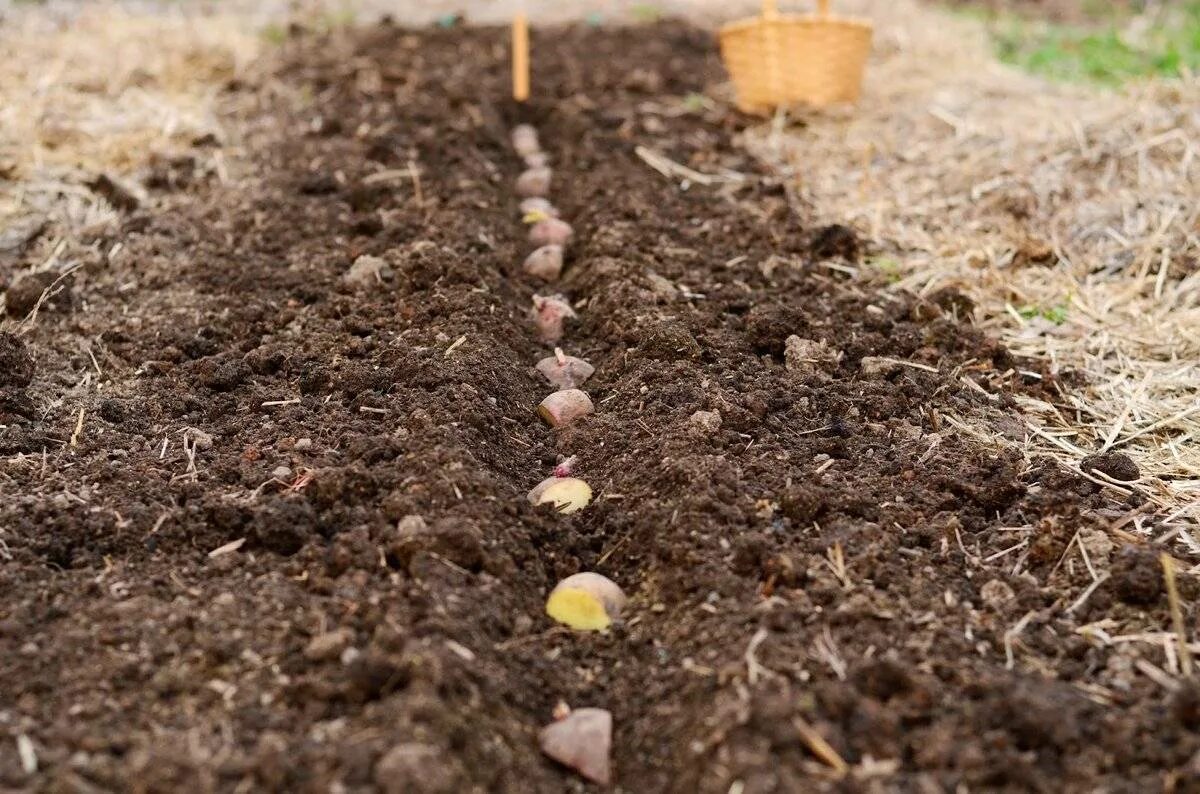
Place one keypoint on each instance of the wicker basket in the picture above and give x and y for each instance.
(782, 59)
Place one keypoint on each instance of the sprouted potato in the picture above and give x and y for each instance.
(565, 372)
(586, 602)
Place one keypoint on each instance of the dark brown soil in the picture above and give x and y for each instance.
(834, 552)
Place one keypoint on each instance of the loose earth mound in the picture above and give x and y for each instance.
(824, 568)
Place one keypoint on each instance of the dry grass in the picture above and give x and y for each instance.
(1067, 213)
(99, 88)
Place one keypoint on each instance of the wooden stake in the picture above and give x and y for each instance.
(520, 57)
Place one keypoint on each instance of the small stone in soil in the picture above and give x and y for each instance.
(705, 422)
(413, 766)
(582, 741)
(303, 444)
(996, 594)
(367, 271)
(329, 645)
(878, 366)
(807, 355)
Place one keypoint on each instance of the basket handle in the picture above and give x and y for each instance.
(770, 8)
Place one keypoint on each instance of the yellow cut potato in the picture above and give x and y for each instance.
(586, 602)
(567, 494)
(539, 206)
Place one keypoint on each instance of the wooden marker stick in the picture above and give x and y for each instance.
(520, 57)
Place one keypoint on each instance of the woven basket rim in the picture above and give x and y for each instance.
(806, 20)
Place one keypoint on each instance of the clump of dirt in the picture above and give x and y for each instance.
(266, 529)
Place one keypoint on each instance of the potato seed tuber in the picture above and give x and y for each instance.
(586, 602)
(567, 494)
(565, 406)
(582, 740)
(536, 160)
(550, 231)
(539, 205)
(549, 314)
(525, 140)
(545, 263)
(534, 182)
(565, 372)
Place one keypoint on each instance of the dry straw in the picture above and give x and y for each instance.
(1068, 213)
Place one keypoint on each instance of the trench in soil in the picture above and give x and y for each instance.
(816, 557)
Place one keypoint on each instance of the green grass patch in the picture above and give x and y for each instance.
(1116, 48)
(1055, 314)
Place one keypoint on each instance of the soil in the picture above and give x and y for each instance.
(836, 554)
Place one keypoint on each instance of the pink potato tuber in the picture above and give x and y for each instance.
(549, 314)
(581, 740)
(534, 182)
(565, 372)
(563, 407)
(538, 208)
(545, 263)
(525, 140)
(550, 231)
(536, 160)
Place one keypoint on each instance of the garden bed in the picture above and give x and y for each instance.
(836, 557)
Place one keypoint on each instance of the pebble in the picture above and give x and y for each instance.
(995, 594)
(367, 271)
(282, 473)
(303, 444)
(328, 645)
(807, 355)
(706, 422)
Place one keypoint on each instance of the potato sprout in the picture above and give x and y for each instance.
(586, 602)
